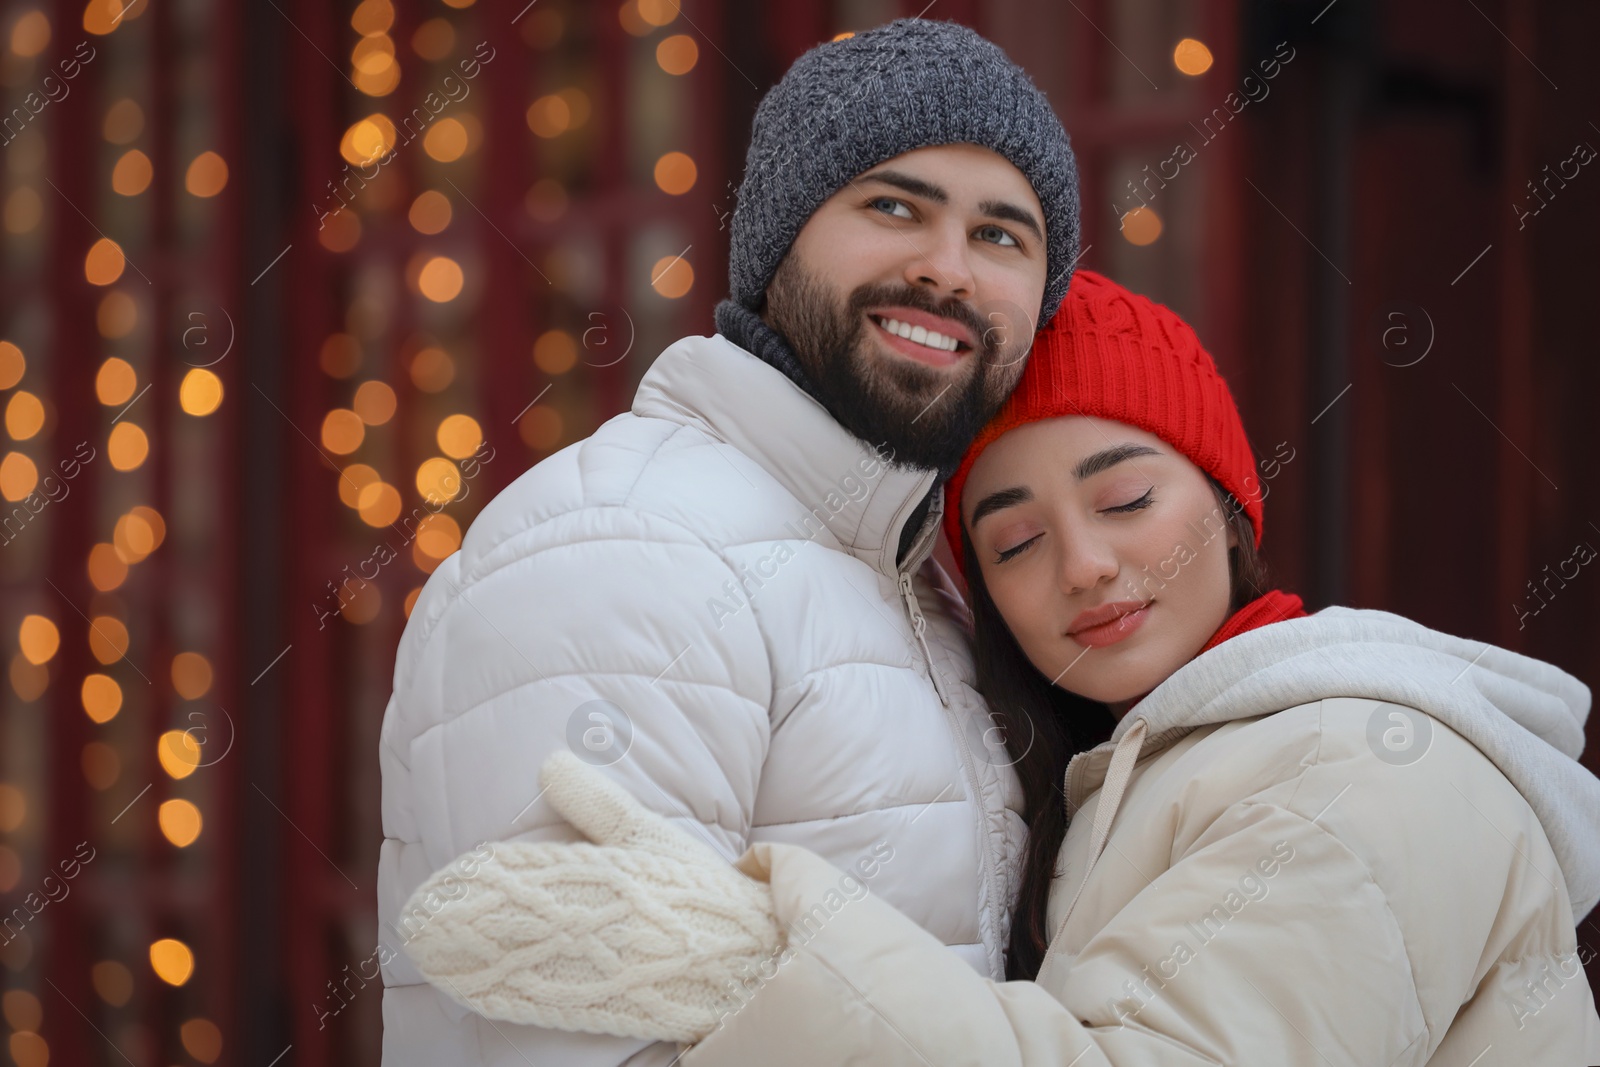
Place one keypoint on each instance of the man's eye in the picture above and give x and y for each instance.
(997, 236)
(890, 206)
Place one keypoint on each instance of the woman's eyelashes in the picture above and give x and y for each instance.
(1133, 505)
(1137, 505)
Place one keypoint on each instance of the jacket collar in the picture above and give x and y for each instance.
(841, 480)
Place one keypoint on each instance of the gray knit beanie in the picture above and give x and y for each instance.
(848, 105)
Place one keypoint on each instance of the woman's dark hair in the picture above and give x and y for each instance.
(1045, 726)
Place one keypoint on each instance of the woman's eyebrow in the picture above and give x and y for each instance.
(1000, 499)
(1088, 467)
(1110, 457)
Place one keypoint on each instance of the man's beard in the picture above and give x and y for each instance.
(924, 417)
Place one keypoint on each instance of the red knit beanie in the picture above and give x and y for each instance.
(1117, 355)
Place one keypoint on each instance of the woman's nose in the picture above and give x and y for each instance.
(1086, 561)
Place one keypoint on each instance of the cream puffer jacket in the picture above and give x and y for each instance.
(1338, 841)
(703, 595)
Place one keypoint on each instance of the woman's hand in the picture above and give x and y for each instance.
(641, 934)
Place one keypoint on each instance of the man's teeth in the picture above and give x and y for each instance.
(920, 334)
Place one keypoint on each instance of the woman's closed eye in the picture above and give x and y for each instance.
(1133, 505)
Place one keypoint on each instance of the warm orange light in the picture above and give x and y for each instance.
(438, 480)
(677, 54)
(379, 504)
(675, 173)
(671, 276)
(555, 352)
(446, 140)
(107, 570)
(367, 140)
(434, 39)
(29, 36)
(200, 393)
(441, 279)
(432, 369)
(171, 960)
(38, 639)
(207, 175)
(459, 436)
(191, 675)
(117, 314)
(430, 212)
(104, 262)
(541, 428)
(342, 431)
(1191, 57)
(178, 752)
(12, 364)
(127, 446)
(658, 12)
(179, 821)
(18, 476)
(135, 535)
(374, 402)
(115, 382)
(341, 355)
(201, 1039)
(108, 639)
(124, 121)
(131, 176)
(24, 415)
(549, 116)
(372, 16)
(1141, 226)
(102, 697)
(112, 981)
(438, 535)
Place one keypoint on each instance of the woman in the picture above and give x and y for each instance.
(1255, 836)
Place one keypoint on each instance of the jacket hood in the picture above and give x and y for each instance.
(1524, 714)
(863, 498)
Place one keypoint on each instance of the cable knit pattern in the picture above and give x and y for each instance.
(639, 934)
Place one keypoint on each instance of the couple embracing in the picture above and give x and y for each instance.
(762, 786)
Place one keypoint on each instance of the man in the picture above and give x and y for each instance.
(724, 595)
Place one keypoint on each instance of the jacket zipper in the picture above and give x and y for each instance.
(988, 868)
(918, 624)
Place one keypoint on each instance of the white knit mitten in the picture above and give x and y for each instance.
(644, 933)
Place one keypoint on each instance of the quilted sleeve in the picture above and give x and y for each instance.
(584, 633)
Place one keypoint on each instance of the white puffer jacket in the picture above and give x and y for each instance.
(703, 594)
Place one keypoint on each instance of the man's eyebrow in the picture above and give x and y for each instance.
(1000, 209)
(1088, 467)
(911, 184)
(995, 209)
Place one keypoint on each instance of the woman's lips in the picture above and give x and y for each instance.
(1113, 630)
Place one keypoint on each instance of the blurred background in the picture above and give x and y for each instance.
(291, 288)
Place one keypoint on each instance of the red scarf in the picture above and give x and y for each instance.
(1273, 607)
